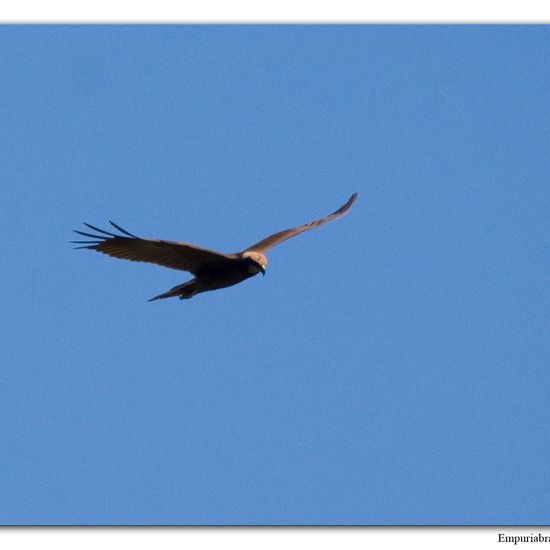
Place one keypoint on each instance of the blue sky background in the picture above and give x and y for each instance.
(392, 367)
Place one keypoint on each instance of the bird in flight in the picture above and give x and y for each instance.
(211, 270)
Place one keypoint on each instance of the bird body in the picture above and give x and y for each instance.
(212, 270)
(216, 275)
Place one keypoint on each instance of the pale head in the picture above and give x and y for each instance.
(256, 261)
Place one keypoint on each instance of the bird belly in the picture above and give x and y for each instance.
(221, 276)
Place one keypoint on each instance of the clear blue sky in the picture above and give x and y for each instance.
(392, 367)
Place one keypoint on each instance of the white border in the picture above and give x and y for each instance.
(281, 11)
(253, 538)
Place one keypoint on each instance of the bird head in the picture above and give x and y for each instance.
(256, 262)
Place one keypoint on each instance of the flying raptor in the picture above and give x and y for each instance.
(211, 270)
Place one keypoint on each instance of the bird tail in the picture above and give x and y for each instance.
(184, 291)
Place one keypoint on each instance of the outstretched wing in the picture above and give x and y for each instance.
(275, 239)
(182, 256)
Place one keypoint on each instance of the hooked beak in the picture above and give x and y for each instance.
(262, 269)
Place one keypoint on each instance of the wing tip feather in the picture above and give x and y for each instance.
(123, 230)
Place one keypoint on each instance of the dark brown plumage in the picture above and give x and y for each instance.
(211, 270)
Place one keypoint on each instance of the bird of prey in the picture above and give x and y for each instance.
(211, 270)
